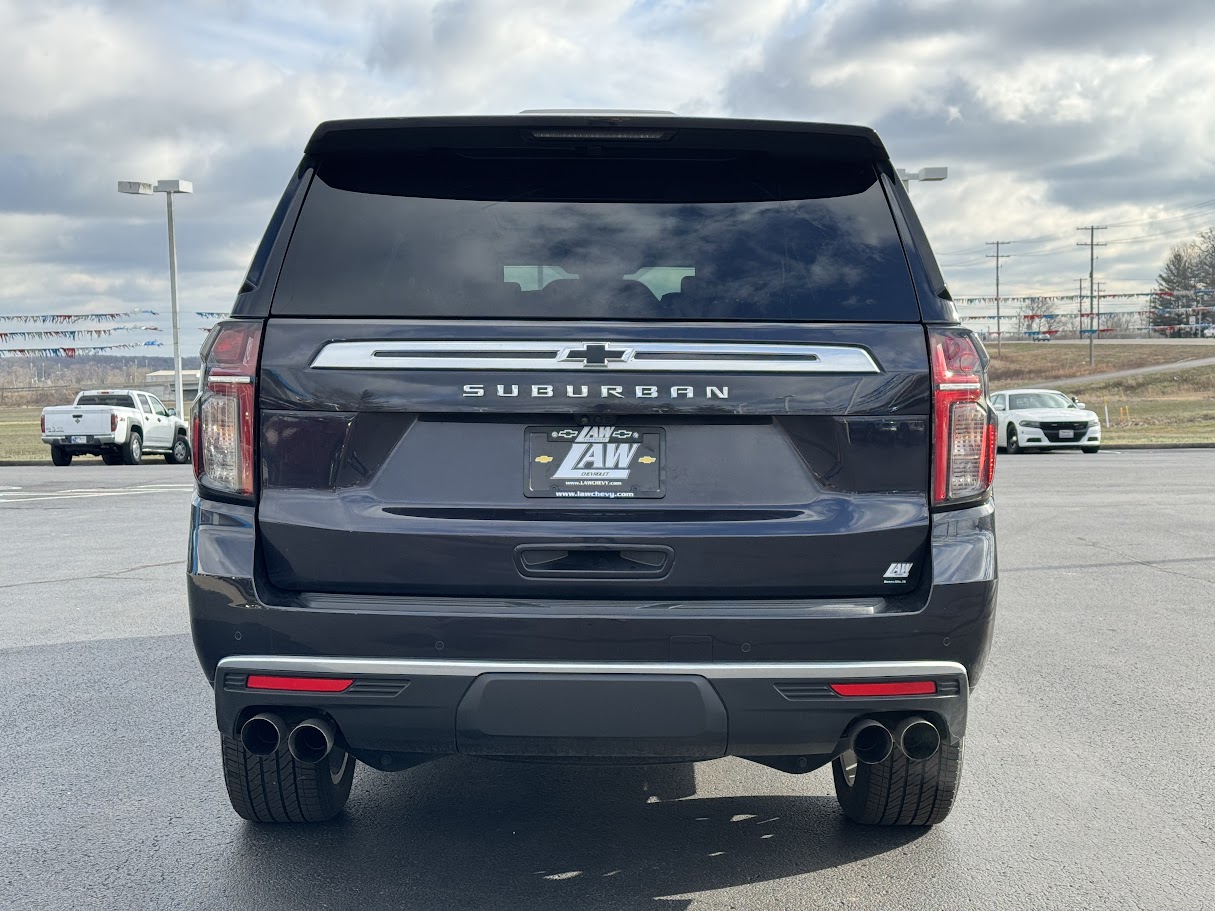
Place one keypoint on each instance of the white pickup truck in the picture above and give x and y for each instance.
(120, 425)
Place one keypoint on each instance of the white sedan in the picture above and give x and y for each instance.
(1044, 419)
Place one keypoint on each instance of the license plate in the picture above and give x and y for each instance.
(78, 439)
(595, 462)
(1066, 434)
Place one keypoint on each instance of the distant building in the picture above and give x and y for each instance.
(160, 384)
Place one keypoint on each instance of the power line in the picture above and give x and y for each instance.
(997, 256)
(1092, 245)
(1192, 211)
(1173, 233)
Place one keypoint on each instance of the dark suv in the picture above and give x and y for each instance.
(606, 438)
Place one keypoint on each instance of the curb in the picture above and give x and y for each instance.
(1158, 446)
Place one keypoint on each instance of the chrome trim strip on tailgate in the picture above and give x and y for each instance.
(423, 667)
(636, 357)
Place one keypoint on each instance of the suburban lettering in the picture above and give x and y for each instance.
(479, 390)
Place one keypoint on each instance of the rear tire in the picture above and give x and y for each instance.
(132, 449)
(111, 457)
(181, 452)
(1090, 449)
(60, 456)
(899, 791)
(276, 788)
(1013, 445)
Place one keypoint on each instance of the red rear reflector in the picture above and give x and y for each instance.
(299, 684)
(899, 688)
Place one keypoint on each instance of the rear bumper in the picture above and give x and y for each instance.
(400, 712)
(715, 665)
(90, 441)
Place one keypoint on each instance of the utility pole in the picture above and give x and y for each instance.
(997, 256)
(1080, 315)
(1092, 245)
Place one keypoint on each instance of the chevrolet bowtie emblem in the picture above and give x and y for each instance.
(544, 459)
(646, 460)
(597, 355)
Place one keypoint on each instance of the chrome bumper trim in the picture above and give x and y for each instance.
(423, 667)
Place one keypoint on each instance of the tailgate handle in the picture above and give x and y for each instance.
(594, 561)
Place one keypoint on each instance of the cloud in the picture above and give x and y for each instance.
(1049, 115)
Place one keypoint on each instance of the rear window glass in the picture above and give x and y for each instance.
(451, 237)
(113, 401)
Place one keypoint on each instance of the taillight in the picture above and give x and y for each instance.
(222, 423)
(964, 428)
(113, 421)
(42, 423)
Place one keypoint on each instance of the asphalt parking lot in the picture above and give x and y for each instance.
(1089, 771)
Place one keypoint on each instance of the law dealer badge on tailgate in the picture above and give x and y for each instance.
(595, 462)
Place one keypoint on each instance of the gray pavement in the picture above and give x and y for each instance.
(1089, 757)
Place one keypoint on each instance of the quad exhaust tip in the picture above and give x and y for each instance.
(262, 734)
(918, 738)
(871, 742)
(311, 740)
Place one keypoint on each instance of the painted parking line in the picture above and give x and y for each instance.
(123, 492)
(161, 486)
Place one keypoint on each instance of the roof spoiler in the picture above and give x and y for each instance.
(532, 131)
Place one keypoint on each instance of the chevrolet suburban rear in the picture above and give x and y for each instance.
(579, 438)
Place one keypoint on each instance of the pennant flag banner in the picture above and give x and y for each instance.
(71, 352)
(27, 335)
(62, 333)
(70, 318)
(1034, 299)
(210, 314)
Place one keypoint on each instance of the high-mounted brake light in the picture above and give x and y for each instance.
(299, 684)
(602, 135)
(893, 688)
(963, 426)
(222, 423)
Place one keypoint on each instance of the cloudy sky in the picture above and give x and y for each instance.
(1050, 114)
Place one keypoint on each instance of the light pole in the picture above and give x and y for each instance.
(168, 187)
(922, 174)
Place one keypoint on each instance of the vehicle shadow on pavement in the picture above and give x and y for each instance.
(469, 834)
